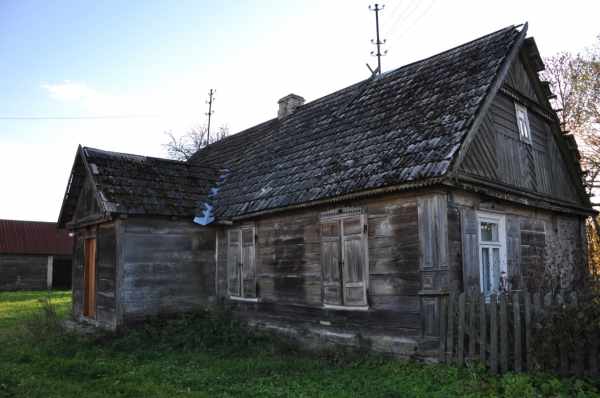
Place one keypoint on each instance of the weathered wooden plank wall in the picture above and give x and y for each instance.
(23, 272)
(106, 273)
(517, 78)
(498, 154)
(168, 267)
(77, 295)
(289, 250)
(88, 205)
(533, 241)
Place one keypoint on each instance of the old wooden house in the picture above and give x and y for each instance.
(34, 256)
(355, 212)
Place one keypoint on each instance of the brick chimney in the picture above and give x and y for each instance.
(288, 104)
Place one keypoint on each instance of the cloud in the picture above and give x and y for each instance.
(70, 91)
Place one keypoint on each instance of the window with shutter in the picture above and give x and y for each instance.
(241, 263)
(344, 258)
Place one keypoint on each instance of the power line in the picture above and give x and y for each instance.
(399, 18)
(96, 117)
(405, 18)
(421, 16)
(388, 18)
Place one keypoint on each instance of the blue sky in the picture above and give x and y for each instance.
(112, 60)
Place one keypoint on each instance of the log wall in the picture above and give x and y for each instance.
(167, 267)
(290, 276)
(23, 272)
(106, 251)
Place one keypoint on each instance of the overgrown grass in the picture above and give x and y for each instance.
(211, 353)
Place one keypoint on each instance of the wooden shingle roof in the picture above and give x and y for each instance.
(33, 237)
(403, 128)
(133, 184)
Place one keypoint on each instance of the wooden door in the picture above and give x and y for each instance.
(89, 287)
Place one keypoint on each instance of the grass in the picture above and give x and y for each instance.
(16, 306)
(210, 353)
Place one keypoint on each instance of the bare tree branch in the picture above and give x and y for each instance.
(195, 138)
(576, 82)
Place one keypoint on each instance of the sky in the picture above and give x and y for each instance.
(117, 75)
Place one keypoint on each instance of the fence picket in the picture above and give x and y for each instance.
(537, 304)
(579, 359)
(442, 352)
(593, 353)
(517, 337)
(493, 333)
(564, 353)
(528, 319)
(503, 334)
(460, 350)
(450, 334)
(472, 333)
(482, 329)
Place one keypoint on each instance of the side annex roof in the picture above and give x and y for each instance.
(132, 184)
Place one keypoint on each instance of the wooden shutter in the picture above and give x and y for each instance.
(432, 232)
(470, 252)
(353, 261)
(331, 260)
(248, 263)
(233, 262)
(513, 251)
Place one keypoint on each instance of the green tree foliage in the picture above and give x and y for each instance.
(575, 79)
(195, 138)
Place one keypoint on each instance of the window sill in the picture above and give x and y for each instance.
(345, 307)
(237, 298)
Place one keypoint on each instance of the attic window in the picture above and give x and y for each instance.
(523, 123)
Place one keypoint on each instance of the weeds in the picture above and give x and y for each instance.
(210, 352)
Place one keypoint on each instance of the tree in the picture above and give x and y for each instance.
(184, 147)
(576, 82)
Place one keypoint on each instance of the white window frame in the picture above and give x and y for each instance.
(523, 123)
(495, 280)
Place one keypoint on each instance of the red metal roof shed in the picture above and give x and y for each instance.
(33, 237)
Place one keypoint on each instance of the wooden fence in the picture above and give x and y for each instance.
(497, 331)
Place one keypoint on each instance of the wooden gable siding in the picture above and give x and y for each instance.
(517, 78)
(88, 204)
(290, 273)
(168, 267)
(498, 154)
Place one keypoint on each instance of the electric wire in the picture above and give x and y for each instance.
(405, 18)
(403, 33)
(390, 16)
(96, 117)
(399, 19)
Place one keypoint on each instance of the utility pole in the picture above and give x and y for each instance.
(210, 112)
(378, 43)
